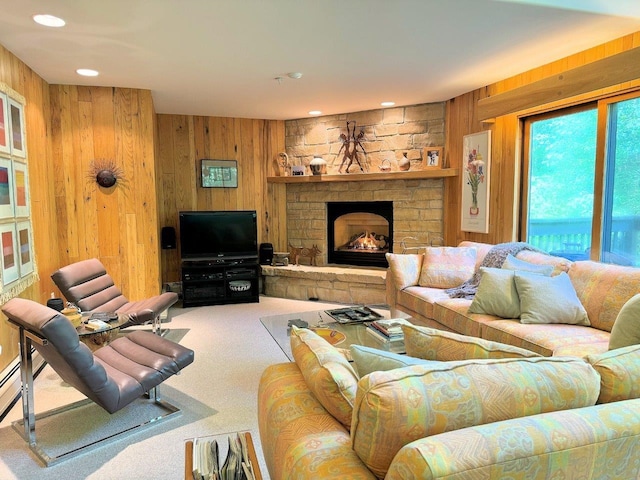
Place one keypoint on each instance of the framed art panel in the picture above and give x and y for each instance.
(4, 125)
(6, 189)
(219, 173)
(476, 167)
(432, 158)
(25, 249)
(16, 115)
(20, 190)
(10, 271)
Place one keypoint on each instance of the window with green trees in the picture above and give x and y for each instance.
(582, 194)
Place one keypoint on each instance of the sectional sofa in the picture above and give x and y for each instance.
(602, 289)
(509, 414)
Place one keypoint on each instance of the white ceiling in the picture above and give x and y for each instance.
(221, 57)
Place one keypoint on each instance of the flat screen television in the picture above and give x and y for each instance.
(218, 234)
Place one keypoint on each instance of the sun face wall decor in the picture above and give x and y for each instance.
(105, 173)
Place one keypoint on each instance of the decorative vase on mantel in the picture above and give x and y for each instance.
(404, 164)
(318, 166)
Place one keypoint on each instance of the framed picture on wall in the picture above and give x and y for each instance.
(25, 248)
(219, 173)
(16, 116)
(20, 189)
(6, 189)
(476, 169)
(4, 125)
(432, 158)
(8, 244)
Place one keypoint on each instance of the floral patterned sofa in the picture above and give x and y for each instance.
(508, 414)
(602, 289)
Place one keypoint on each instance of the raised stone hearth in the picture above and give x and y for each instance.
(329, 284)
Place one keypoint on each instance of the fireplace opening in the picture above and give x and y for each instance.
(359, 233)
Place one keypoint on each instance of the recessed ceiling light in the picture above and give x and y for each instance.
(388, 104)
(48, 20)
(294, 75)
(87, 72)
(315, 112)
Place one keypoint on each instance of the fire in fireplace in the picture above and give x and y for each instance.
(359, 233)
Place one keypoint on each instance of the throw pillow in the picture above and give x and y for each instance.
(496, 294)
(327, 373)
(369, 360)
(447, 267)
(432, 344)
(549, 299)
(626, 328)
(619, 371)
(404, 269)
(513, 263)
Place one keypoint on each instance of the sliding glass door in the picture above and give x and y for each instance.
(581, 189)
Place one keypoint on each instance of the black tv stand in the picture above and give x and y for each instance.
(212, 281)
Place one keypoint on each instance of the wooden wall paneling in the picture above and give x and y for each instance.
(43, 171)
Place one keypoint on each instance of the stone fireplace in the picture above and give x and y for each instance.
(389, 134)
(359, 233)
(416, 211)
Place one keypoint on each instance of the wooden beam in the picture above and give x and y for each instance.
(619, 68)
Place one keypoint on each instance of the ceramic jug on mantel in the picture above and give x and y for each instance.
(404, 163)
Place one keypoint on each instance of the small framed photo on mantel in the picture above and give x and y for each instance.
(432, 158)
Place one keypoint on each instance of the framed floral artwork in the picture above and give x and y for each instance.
(432, 158)
(20, 189)
(25, 249)
(18, 141)
(6, 189)
(10, 269)
(476, 164)
(4, 126)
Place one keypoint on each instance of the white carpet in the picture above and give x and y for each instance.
(217, 394)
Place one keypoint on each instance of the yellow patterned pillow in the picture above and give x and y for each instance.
(619, 371)
(396, 407)
(432, 344)
(404, 269)
(447, 267)
(327, 373)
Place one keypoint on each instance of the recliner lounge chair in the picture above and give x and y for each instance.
(88, 285)
(113, 376)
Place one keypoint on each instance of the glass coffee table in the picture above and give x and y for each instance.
(95, 339)
(354, 333)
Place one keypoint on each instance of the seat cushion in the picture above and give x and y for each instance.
(546, 339)
(398, 406)
(420, 299)
(327, 372)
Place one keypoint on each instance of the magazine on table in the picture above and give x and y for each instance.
(353, 314)
(391, 327)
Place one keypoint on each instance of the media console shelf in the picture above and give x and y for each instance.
(215, 282)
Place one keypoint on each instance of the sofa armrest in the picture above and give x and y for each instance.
(299, 438)
(556, 443)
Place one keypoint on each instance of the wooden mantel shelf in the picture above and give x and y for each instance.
(364, 177)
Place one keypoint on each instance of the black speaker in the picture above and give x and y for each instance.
(266, 253)
(168, 238)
